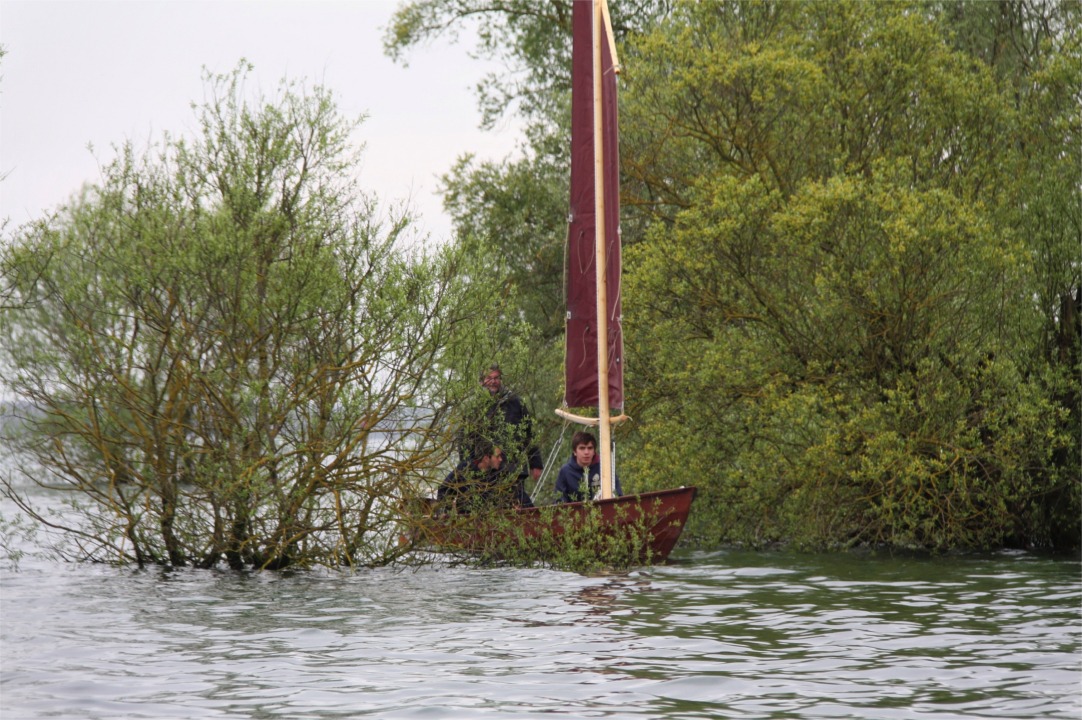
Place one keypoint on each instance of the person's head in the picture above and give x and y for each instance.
(484, 454)
(492, 379)
(492, 461)
(584, 448)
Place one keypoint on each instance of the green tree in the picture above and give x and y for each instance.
(531, 40)
(224, 355)
(1035, 52)
(833, 309)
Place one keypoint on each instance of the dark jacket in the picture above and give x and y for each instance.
(572, 484)
(513, 432)
(465, 481)
(468, 488)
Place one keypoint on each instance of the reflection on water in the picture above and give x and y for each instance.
(716, 635)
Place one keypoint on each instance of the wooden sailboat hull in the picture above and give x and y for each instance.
(651, 522)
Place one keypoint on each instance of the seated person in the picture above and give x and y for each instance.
(580, 477)
(478, 482)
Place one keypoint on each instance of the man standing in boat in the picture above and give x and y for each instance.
(512, 426)
(580, 477)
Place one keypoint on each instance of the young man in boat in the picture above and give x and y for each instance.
(478, 483)
(580, 477)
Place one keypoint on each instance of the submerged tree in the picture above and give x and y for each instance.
(223, 355)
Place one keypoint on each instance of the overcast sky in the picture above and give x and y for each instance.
(100, 72)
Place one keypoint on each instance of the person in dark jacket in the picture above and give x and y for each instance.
(478, 482)
(511, 425)
(580, 477)
(510, 417)
(472, 484)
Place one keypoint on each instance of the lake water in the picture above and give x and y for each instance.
(722, 634)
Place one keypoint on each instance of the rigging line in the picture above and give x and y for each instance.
(548, 461)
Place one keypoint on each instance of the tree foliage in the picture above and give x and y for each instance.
(223, 354)
(532, 40)
(838, 265)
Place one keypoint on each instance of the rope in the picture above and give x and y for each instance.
(548, 461)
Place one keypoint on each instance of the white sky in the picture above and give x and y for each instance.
(100, 72)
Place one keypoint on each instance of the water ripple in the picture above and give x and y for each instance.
(719, 635)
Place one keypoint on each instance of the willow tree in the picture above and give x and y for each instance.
(220, 353)
(859, 236)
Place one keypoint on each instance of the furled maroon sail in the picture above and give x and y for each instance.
(580, 366)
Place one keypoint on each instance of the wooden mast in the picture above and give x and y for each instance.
(603, 420)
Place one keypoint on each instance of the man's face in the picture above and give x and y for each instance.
(584, 455)
(493, 461)
(492, 381)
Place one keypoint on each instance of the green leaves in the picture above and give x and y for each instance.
(827, 282)
(227, 354)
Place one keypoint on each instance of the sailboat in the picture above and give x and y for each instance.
(593, 367)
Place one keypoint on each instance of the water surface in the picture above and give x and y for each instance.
(715, 635)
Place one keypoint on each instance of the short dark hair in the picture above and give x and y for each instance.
(478, 446)
(583, 438)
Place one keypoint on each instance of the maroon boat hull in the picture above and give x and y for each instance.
(656, 519)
